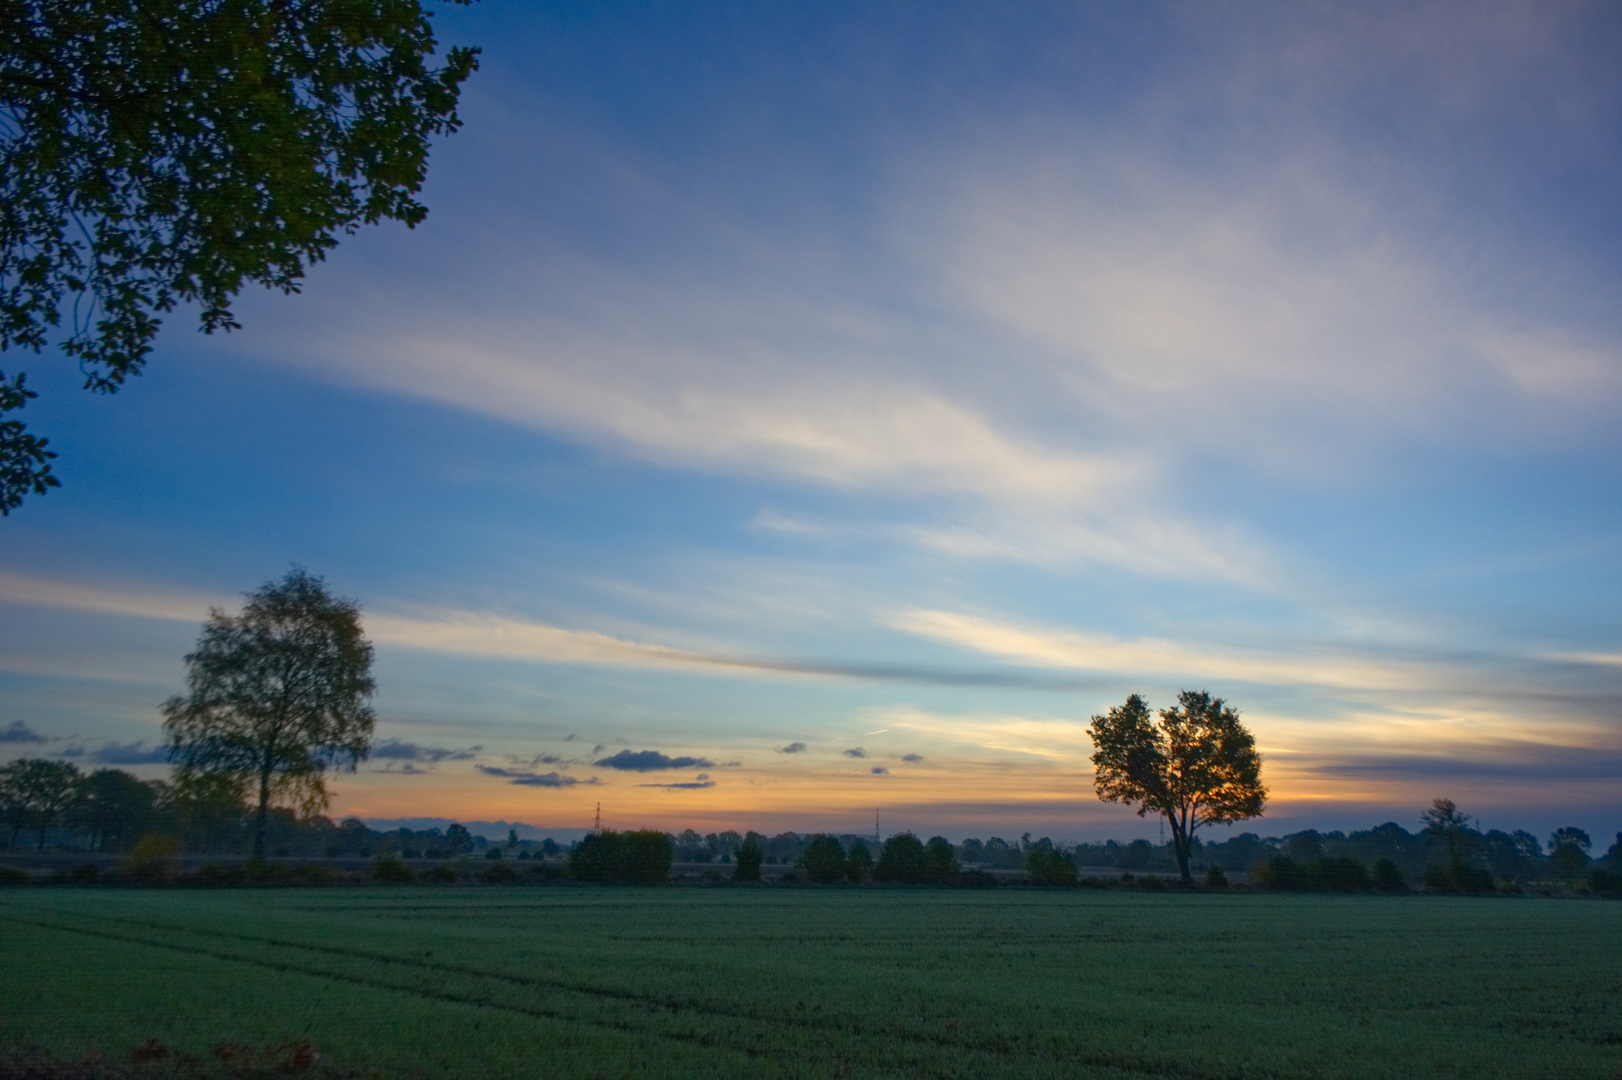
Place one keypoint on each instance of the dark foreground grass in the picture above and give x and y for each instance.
(666, 982)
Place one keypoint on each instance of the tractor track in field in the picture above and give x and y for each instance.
(998, 1048)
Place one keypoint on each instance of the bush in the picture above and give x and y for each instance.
(1459, 877)
(153, 858)
(265, 873)
(1605, 883)
(750, 855)
(85, 873)
(1280, 873)
(1215, 878)
(213, 873)
(823, 860)
(1388, 876)
(1340, 874)
(499, 874)
(493, 853)
(315, 873)
(441, 875)
(391, 871)
(10, 875)
(622, 858)
(977, 879)
(1047, 865)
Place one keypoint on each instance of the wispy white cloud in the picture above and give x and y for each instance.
(1156, 657)
(139, 601)
(1272, 312)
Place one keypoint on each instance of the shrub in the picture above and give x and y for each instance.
(1280, 873)
(391, 871)
(265, 873)
(1047, 865)
(213, 873)
(153, 858)
(1388, 876)
(823, 860)
(624, 858)
(1215, 878)
(977, 879)
(902, 860)
(315, 873)
(441, 875)
(1340, 874)
(1458, 877)
(493, 853)
(83, 874)
(11, 875)
(1605, 883)
(750, 855)
(499, 874)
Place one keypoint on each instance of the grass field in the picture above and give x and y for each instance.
(727, 982)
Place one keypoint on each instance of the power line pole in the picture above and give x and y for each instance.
(875, 828)
(597, 825)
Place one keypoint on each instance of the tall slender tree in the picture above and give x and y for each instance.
(1197, 766)
(278, 696)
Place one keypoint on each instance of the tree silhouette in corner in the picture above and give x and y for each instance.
(172, 152)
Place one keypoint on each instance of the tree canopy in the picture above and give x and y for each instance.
(1196, 766)
(155, 153)
(278, 695)
(34, 792)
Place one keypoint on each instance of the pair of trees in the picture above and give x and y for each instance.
(164, 152)
(825, 861)
(905, 860)
(1195, 765)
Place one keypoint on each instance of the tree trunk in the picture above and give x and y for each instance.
(1180, 846)
(264, 809)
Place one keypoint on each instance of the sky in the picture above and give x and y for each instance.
(790, 413)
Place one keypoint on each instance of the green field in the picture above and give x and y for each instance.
(735, 982)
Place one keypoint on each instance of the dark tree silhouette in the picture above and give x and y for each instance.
(113, 807)
(278, 696)
(858, 863)
(155, 153)
(823, 860)
(625, 858)
(750, 854)
(1197, 766)
(901, 861)
(35, 792)
(940, 860)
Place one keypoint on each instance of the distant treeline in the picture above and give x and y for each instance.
(46, 803)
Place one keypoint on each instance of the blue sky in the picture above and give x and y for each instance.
(917, 380)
